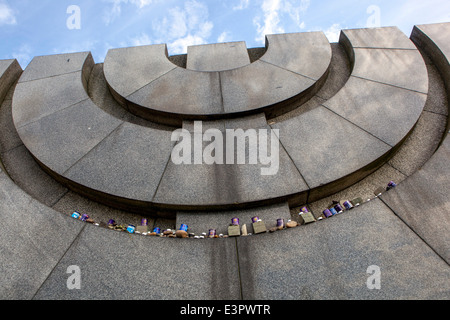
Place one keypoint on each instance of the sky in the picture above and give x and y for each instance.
(30, 28)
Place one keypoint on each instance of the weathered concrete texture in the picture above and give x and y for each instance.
(258, 85)
(425, 138)
(180, 91)
(62, 138)
(129, 69)
(128, 163)
(433, 39)
(10, 71)
(227, 185)
(119, 266)
(328, 260)
(55, 65)
(328, 147)
(385, 111)
(385, 37)
(402, 68)
(422, 201)
(34, 100)
(307, 53)
(34, 239)
(29, 176)
(166, 92)
(217, 56)
(199, 222)
(9, 138)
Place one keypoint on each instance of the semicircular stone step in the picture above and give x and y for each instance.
(322, 150)
(149, 85)
(350, 135)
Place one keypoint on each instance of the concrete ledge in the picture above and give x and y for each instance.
(10, 71)
(145, 82)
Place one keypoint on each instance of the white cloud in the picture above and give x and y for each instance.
(141, 40)
(224, 37)
(115, 11)
(274, 16)
(6, 14)
(333, 32)
(243, 4)
(185, 26)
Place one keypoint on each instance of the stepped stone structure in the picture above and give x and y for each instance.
(348, 117)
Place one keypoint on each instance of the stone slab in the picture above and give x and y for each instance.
(259, 85)
(54, 65)
(9, 138)
(217, 57)
(433, 39)
(37, 99)
(422, 201)
(230, 184)
(181, 91)
(200, 222)
(385, 37)
(307, 53)
(128, 163)
(33, 240)
(327, 147)
(421, 144)
(387, 112)
(401, 68)
(10, 71)
(338, 73)
(29, 176)
(119, 266)
(62, 138)
(129, 69)
(328, 260)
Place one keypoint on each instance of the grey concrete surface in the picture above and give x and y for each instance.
(217, 56)
(121, 266)
(385, 111)
(422, 201)
(328, 260)
(129, 69)
(10, 71)
(47, 96)
(259, 85)
(328, 146)
(55, 65)
(385, 37)
(62, 138)
(128, 163)
(180, 91)
(290, 51)
(401, 68)
(164, 92)
(34, 239)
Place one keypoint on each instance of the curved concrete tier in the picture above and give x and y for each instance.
(292, 70)
(126, 165)
(326, 260)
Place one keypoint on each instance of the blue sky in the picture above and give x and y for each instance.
(31, 28)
